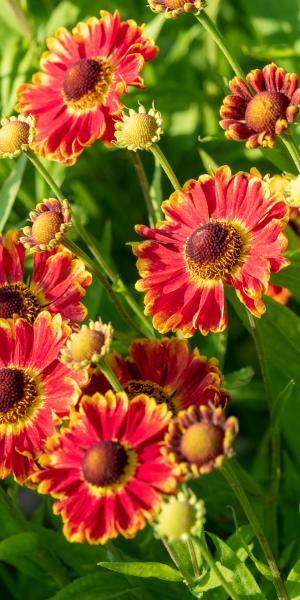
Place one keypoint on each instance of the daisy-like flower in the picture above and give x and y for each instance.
(259, 115)
(180, 517)
(76, 96)
(139, 129)
(106, 467)
(50, 221)
(167, 371)
(86, 346)
(35, 389)
(221, 229)
(16, 134)
(199, 440)
(175, 8)
(58, 282)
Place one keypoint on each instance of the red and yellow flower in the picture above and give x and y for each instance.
(36, 390)
(278, 293)
(58, 282)
(106, 468)
(221, 229)
(76, 96)
(167, 371)
(262, 110)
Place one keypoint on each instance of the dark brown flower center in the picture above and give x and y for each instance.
(214, 250)
(17, 392)
(201, 443)
(265, 109)
(134, 387)
(17, 299)
(86, 83)
(104, 463)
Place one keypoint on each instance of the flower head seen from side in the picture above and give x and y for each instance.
(106, 469)
(167, 371)
(86, 346)
(36, 390)
(199, 440)
(220, 230)
(175, 8)
(139, 129)
(180, 517)
(16, 135)
(50, 219)
(58, 282)
(258, 116)
(76, 96)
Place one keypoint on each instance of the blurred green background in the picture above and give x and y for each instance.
(187, 82)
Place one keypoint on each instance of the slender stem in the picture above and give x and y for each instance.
(215, 569)
(213, 30)
(193, 556)
(292, 149)
(158, 153)
(96, 271)
(232, 479)
(177, 562)
(21, 18)
(141, 175)
(275, 436)
(45, 174)
(110, 375)
(88, 240)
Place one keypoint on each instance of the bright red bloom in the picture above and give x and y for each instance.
(218, 230)
(259, 115)
(76, 96)
(58, 282)
(36, 389)
(106, 467)
(167, 371)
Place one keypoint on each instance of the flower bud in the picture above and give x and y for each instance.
(180, 516)
(174, 8)
(139, 130)
(50, 221)
(87, 345)
(16, 134)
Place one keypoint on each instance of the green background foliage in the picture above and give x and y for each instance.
(187, 81)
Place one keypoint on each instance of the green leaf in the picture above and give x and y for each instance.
(144, 569)
(10, 188)
(99, 586)
(280, 404)
(238, 379)
(11, 520)
(210, 580)
(64, 15)
(243, 581)
(289, 277)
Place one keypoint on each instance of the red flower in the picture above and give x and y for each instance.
(167, 371)
(35, 389)
(106, 467)
(76, 96)
(218, 230)
(258, 116)
(58, 282)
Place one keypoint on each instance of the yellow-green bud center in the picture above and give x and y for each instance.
(201, 443)
(139, 129)
(176, 519)
(46, 226)
(86, 343)
(13, 135)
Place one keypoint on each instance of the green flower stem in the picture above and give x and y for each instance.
(158, 153)
(97, 255)
(109, 374)
(233, 481)
(212, 29)
(212, 564)
(177, 562)
(103, 280)
(275, 436)
(292, 149)
(45, 174)
(192, 553)
(115, 279)
(141, 175)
